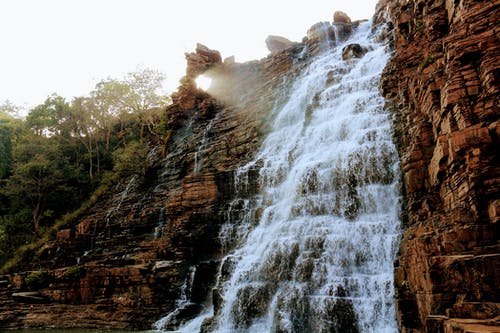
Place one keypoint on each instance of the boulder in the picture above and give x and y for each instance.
(201, 60)
(352, 51)
(322, 31)
(320, 36)
(341, 17)
(342, 24)
(276, 44)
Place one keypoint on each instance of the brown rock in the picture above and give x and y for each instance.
(122, 264)
(276, 44)
(342, 24)
(321, 36)
(201, 60)
(436, 82)
(341, 17)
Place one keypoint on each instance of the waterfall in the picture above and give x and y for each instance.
(161, 222)
(314, 249)
(203, 145)
(182, 305)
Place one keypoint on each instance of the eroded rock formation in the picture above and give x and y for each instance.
(127, 260)
(443, 85)
(124, 263)
(277, 44)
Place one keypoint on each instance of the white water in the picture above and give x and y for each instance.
(317, 244)
(161, 222)
(180, 304)
(198, 161)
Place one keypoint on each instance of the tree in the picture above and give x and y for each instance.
(45, 118)
(146, 99)
(10, 110)
(5, 148)
(79, 124)
(108, 104)
(10, 128)
(130, 159)
(138, 96)
(40, 175)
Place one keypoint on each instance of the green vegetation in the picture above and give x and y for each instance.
(72, 273)
(72, 152)
(419, 24)
(426, 62)
(36, 280)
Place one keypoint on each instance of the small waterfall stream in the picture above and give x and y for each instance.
(314, 249)
(198, 155)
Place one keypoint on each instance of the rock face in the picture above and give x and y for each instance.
(277, 44)
(443, 86)
(153, 239)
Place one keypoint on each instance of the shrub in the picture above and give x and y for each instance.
(36, 280)
(72, 273)
(131, 159)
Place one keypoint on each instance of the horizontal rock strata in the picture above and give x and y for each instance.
(124, 262)
(443, 86)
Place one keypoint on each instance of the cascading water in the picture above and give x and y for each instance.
(183, 304)
(316, 245)
(203, 145)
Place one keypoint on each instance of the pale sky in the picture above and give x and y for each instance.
(67, 46)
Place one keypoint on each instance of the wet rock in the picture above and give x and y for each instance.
(252, 302)
(321, 36)
(343, 25)
(31, 297)
(352, 51)
(110, 269)
(322, 32)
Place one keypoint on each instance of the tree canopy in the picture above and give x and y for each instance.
(61, 151)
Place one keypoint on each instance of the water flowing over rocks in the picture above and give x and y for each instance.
(443, 86)
(311, 234)
(353, 51)
(156, 246)
(124, 263)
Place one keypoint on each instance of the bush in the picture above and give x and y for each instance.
(72, 273)
(36, 280)
(131, 159)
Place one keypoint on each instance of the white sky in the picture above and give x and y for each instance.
(67, 46)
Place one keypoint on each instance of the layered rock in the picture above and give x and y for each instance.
(443, 86)
(277, 44)
(127, 261)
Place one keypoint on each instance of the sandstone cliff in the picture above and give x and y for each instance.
(124, 263)
(442, 84)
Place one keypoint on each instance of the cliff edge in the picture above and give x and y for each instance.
(442, 84)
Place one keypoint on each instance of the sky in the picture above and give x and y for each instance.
(67, 46)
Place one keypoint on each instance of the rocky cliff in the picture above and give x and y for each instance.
(129, 259)
(125, 262)
(442, 84)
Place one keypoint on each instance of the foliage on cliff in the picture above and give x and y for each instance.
(54, 159)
